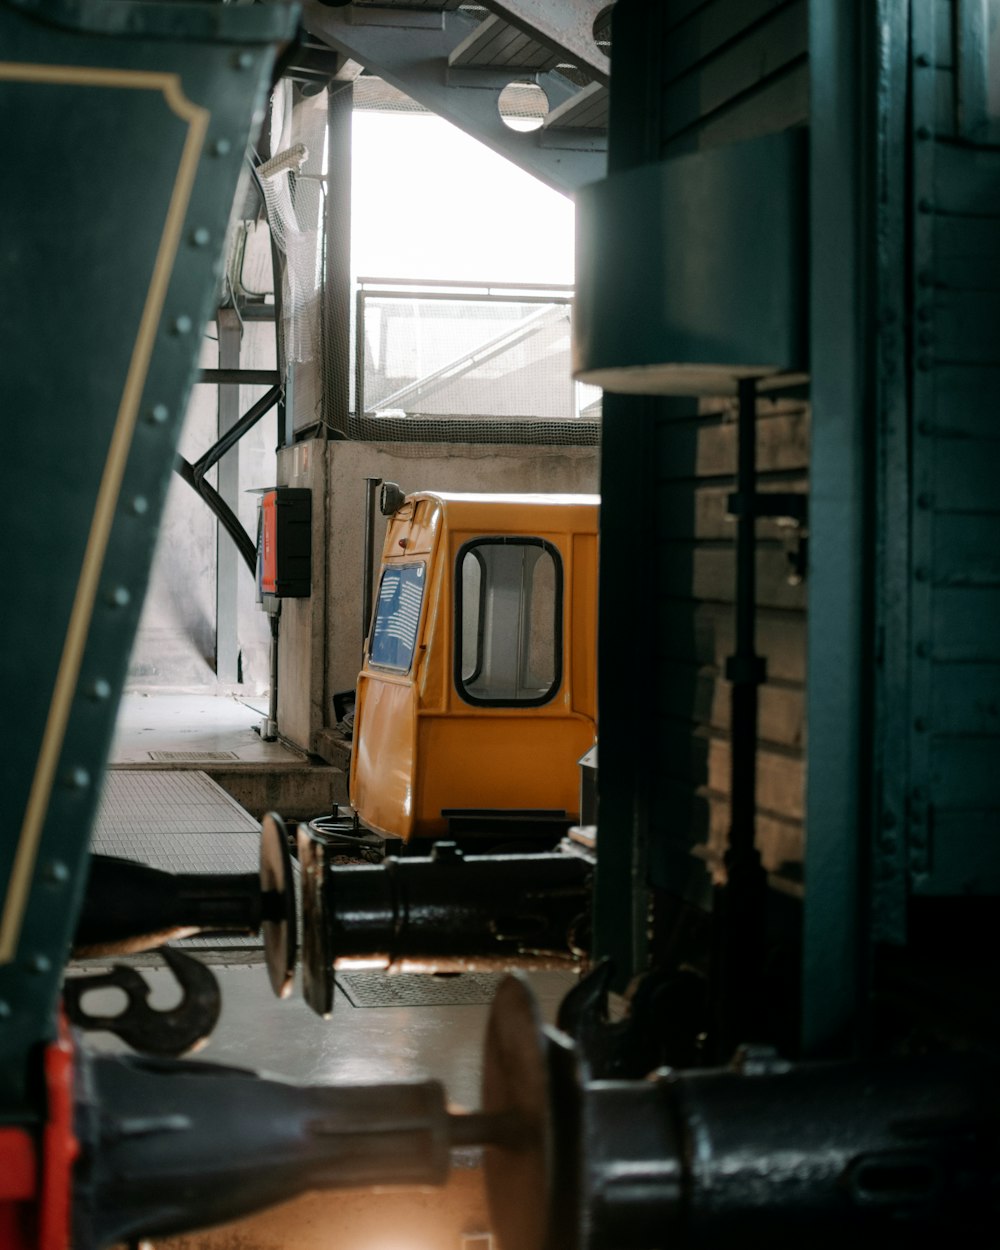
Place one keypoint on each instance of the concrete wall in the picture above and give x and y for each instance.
(321, 638)
(302, 625)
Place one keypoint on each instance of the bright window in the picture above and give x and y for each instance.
(508, 622)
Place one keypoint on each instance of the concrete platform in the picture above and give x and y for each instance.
(216, 734)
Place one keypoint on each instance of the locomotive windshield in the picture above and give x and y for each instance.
(397, 616)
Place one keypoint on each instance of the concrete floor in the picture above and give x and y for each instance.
(257, 1031)
(359, 1045)
(356, 1046)
(217, 734)
(185, 723)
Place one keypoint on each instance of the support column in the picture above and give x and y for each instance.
(227, 560)
(337, 278)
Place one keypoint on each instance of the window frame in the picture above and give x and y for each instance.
(394, 668)
(504, 540)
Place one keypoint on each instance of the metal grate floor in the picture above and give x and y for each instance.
(191, 757)
(183, 852)
(412, 989)
(177, 822)
(166, 803)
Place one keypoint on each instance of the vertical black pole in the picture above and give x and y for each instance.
(368, 573)
(740, 904)
(337, 260)
(359, 357)
(630, 727)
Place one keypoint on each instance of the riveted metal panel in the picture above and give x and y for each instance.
(128, 174)
(954, 728)
(923, 151)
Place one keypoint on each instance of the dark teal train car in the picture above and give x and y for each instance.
(867, 134)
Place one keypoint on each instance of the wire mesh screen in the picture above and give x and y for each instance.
(487, 365)
(292, 184)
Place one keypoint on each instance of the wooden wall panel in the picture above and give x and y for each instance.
(695, 578)
(733, 70)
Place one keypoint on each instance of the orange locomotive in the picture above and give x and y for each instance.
(478, 693)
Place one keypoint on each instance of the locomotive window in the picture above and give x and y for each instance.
(397, 615)
(508, 622)
(473, 588)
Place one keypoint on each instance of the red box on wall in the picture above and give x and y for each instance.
(285, 545)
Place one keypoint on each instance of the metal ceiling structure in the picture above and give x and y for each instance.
(456, 60)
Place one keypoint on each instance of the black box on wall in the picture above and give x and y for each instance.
(285, 554)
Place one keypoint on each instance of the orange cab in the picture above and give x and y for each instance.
(479, 689)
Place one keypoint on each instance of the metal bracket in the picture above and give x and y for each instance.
(785, 507)
(790, 510)
(415, 60)
(667, 1014)
(746, 670)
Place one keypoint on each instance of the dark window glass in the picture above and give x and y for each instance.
(397, 615)
(508, 621)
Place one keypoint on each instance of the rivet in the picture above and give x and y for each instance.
(4, 1009)
(925, 313)
(200, 237)
(924, 363)
(925, 500)
(100, 690)
(925, 278)
(920, 724)
(39, 964)
(182, 324)
(158, 414)
(77, 778)
(244, 60)
(923, 60)
(924, 427)
(140, 505)
(56, 873)
(921, 573)
(222, 147)
(923, 649)
(925, 205)
(119, 597)
(923, 132)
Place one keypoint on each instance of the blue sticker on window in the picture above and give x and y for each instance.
(397, 617)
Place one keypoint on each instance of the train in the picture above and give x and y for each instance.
(478, 694)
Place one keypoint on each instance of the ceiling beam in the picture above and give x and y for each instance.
(565, 26)
(410, 49)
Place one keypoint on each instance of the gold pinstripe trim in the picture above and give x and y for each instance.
(197, 118)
